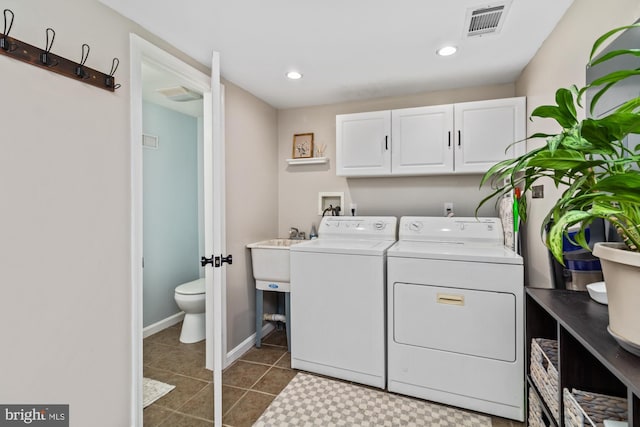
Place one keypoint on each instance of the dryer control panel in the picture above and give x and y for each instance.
(452, 229)
(358, 227)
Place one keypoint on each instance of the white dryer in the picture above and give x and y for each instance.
(455, 315)
(338, 293)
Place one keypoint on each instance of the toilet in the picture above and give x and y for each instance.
(190, 298)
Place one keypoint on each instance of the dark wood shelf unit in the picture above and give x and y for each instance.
(589, 358)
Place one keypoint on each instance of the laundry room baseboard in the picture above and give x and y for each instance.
(246, 345)
(162, 324)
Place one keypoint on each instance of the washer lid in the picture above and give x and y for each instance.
(344, 246)
(191, 288)
(458, 251)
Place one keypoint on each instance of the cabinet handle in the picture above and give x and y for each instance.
(386, 142)
(459, 138)
(449, 139)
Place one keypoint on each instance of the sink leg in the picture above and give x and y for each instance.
(259, 309)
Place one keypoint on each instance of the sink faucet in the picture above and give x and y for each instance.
(294, 233)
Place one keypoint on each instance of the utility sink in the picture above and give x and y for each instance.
(270, 261)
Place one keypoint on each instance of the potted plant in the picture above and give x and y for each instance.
(599, 178)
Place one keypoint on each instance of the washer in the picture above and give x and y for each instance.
(338, 293)
(456, 314)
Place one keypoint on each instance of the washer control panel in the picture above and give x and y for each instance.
(358, 227)
(451, 229)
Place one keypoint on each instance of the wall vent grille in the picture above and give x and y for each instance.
(150, 141)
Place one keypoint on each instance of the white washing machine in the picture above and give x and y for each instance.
(456, 315)
(338, 293)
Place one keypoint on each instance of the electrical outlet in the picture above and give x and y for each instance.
(537, 192)
(448, 208)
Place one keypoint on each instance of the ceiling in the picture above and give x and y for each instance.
(348, 49)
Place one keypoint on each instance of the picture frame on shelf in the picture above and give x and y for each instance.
(302, 145)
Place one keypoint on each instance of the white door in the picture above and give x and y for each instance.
(363, 144)
(422, 140)
(214, 208)
(485, 131)
(214, 228)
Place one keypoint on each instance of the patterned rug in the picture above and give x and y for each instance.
(153, 390)
(314, 401)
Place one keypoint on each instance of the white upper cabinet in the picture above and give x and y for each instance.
(363, 144)
(485, 131)
(467, 137)
(422, 140)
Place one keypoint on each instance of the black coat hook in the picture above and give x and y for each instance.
(4, 41)
(109, 80)
(45, 57)
(80, 71)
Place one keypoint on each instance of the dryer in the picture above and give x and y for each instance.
(338, 295)
(456, 315)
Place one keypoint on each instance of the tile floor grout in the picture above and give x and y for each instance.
(245, 392)
(249, 376)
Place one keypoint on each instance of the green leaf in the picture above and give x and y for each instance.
(609, 80)
(598, 95)
(605, 36)
(577, 95)
(542, 135)
(613, 54)
(559, 229)
(496, 169)
(630, 106)
(625, 183)
(564, 99)
(614, 77)
(558, 160)
(554, 112)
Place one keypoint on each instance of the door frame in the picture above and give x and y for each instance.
(140, 50)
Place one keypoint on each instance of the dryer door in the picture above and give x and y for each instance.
(465, 321)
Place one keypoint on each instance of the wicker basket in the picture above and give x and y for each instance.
(535, 410)
(582, 408)
(544, 372)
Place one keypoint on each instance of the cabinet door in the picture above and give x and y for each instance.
(422, 140)
(484, 130)
(363, 144)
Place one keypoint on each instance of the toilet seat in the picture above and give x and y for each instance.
(195, 287)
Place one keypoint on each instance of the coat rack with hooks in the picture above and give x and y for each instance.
(43, 58)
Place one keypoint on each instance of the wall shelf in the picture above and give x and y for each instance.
(308, 161)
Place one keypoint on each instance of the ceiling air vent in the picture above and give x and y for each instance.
(485, 20)
(179, 94)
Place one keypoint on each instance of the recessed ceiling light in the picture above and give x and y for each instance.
(294, 75)
(446, 50)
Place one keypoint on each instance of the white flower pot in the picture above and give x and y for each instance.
(621, 270)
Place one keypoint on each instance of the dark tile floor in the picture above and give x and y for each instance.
(248, 385)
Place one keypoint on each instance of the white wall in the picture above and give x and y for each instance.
(560, 62)
(65, 314)
(252, 199)
(65, 307)
(299, 185)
